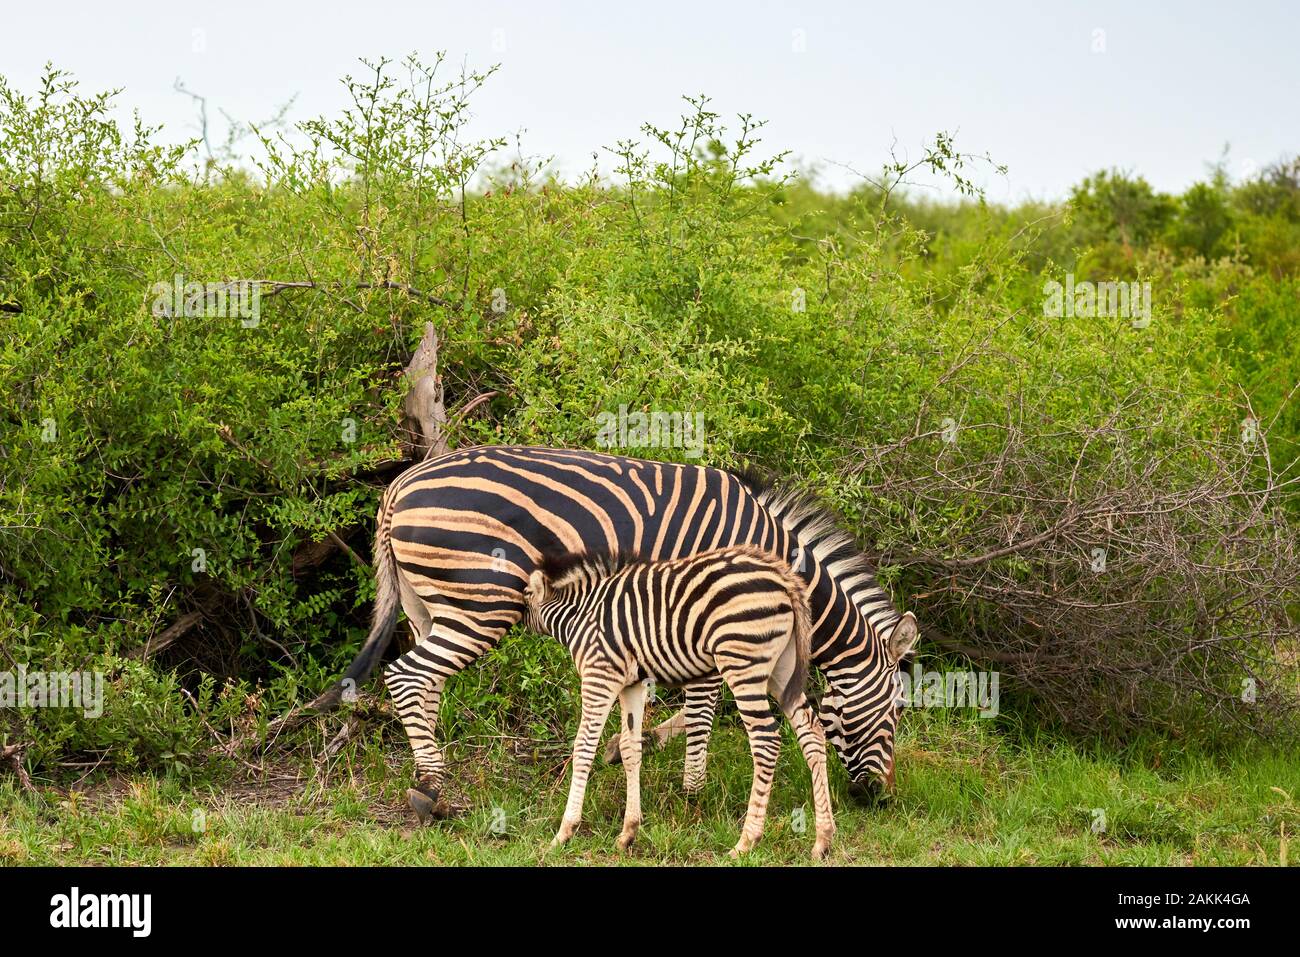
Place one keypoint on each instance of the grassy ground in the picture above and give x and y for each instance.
(966, 795)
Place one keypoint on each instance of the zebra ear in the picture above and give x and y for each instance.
(536, 588)
(903, 637)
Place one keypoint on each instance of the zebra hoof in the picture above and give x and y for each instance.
(427, 807)
(626, 839)
(562, 836)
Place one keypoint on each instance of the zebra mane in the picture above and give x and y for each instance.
(820, 530)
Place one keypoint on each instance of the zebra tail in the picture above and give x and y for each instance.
(382, 620)
(797, 686)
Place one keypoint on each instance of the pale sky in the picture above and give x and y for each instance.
(1053, 90)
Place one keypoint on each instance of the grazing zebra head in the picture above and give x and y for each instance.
(861, 717)
(862, 646)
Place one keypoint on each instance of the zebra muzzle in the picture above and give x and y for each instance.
(868, 791)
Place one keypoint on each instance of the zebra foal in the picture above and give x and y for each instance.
(738, 612)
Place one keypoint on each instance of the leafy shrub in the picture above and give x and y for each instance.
(180, 474)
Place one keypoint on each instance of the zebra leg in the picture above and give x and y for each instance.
(701, 706)
(631, 701)
(418, 616)
(660, 733)
(598, 695)
(812, 741)
(415, 681)
(750, 691)
(665, 731)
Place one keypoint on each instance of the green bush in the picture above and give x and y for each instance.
(171, 455)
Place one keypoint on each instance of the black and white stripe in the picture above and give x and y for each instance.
(458, 537)
(737, 612)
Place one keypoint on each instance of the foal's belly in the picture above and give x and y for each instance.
(667, 664)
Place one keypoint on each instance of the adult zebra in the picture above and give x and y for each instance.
(459, 535)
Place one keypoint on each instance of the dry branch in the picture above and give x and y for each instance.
(176, 629)
(12, 754)
(1128, 573)
(425, 412)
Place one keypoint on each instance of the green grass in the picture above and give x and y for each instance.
(966, 795)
